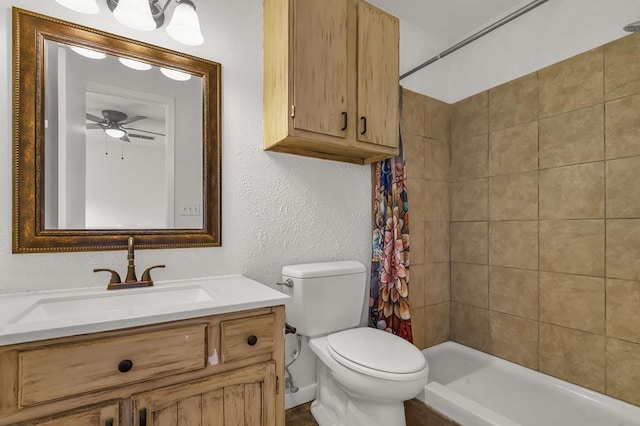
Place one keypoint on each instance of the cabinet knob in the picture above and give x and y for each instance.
(252, 340)
(125, 365)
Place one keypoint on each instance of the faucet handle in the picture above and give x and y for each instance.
(146, 275)
(115, 277)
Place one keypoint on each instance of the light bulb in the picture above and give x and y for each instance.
(175, 75)
(88, 53)
(185, 25)
(115, 133)
(134, 65)
(89, 7)
(135, 14)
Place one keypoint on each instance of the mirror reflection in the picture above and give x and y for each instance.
(123, 143)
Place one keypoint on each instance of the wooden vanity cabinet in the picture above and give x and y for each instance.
(219, 370)
(331, 85)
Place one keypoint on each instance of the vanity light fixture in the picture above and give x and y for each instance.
(134, 65)
(88, 53)
(83, 6)
(175, 75)
(148, 15)
(185, 25)
(134, 14)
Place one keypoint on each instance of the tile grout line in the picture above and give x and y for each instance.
(549, 271)
(487, 170)
(604, 133)
(451, 116)
(561, 166)
(538, 277)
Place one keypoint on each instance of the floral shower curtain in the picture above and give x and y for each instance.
(389, 291)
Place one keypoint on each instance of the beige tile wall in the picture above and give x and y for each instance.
(545, 220)
(426, 128)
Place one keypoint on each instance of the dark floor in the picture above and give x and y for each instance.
(417, 414)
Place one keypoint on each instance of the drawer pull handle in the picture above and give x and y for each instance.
(252, 340)
(142, 417)
(125, 366)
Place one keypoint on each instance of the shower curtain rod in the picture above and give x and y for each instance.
(476, 36)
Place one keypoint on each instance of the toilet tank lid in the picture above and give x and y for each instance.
(324, 269)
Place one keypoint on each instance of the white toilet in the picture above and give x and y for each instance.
(364, 374)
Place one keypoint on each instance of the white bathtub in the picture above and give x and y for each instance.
(477, 389)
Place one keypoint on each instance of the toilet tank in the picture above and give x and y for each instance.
(325, 297)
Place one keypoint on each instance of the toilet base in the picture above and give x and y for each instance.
(333, 407)
(360, 415)
(356, 417)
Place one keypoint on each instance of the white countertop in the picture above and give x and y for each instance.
(27, 317)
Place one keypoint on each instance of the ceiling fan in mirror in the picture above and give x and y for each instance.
(114, 123)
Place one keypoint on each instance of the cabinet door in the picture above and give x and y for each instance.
(378, 76)
(244, 397)
(320, 66)
(101, 416)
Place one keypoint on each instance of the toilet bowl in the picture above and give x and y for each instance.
(364, 377)
(364, 374)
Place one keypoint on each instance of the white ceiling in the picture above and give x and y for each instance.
(557, 30)
(450, 21)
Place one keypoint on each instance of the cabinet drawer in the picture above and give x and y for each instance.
(47, 374)
(247, 337)
(106, 415)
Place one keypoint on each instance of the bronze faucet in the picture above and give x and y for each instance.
(115, 283)
(131, 267)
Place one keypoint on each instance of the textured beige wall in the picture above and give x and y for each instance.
(545, 220)
(425, 125)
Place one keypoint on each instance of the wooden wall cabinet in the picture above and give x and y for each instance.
(219, 370)
(331, 85)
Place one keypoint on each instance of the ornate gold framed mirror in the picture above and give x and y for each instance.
(112, 138)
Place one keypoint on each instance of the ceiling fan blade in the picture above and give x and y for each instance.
(145, 131)
(91, 126)
(92, 117)
(133, 119)
(145, 137)
(125, 139)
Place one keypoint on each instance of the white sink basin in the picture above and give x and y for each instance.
(127, 301)
(27, 317)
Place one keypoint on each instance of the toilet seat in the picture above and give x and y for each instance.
(377, 353)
